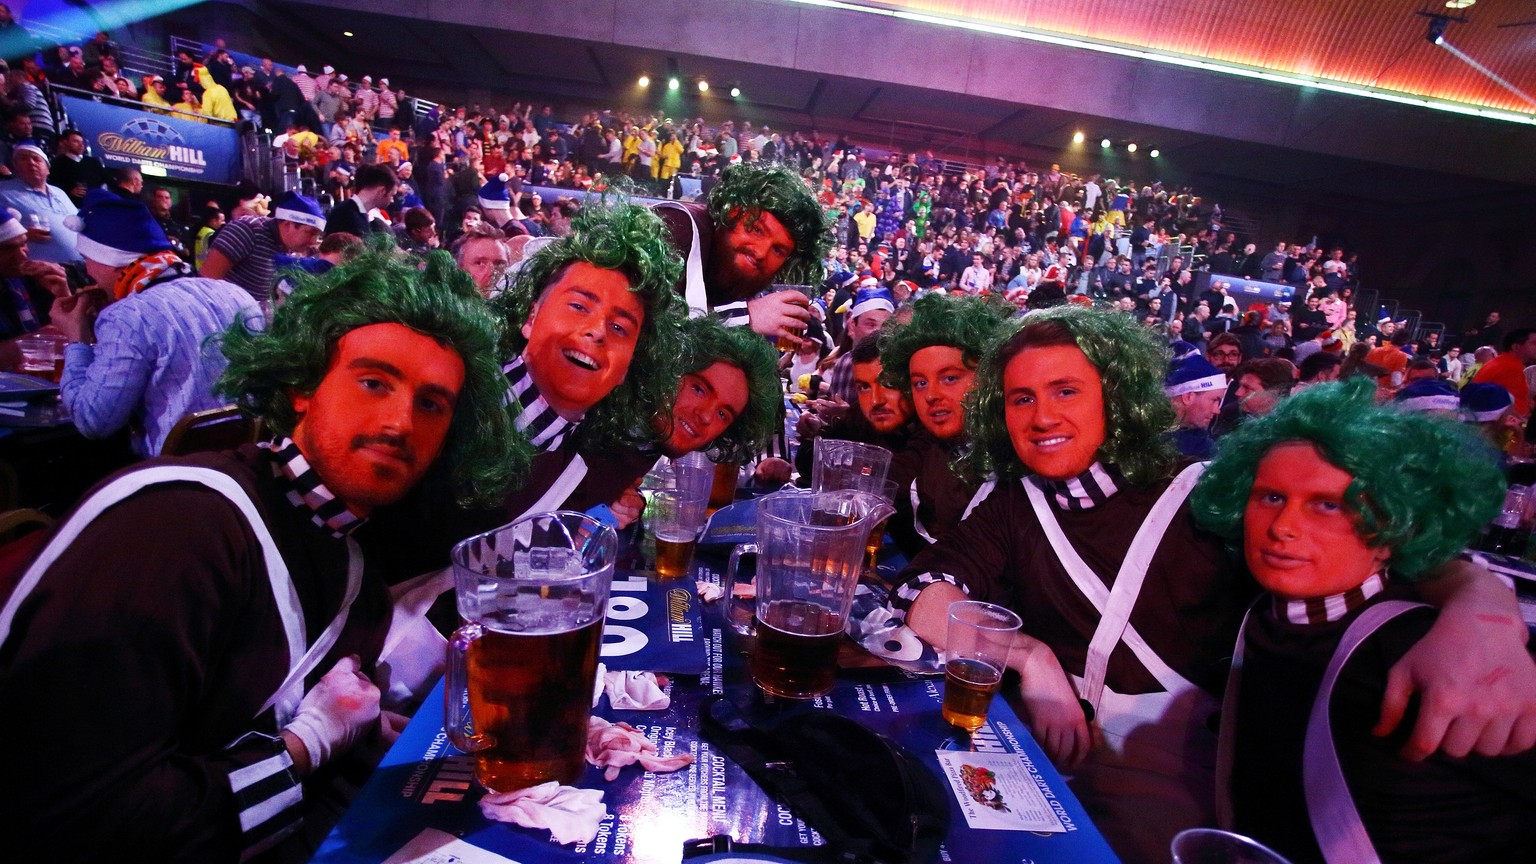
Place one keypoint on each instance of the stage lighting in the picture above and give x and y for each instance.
(1078, 137)
(349, 32)
(1437, 25)
(1155, 153)
(645, 81)
(1131, 147)
(703, 86)
(1104, 143)
(735, 92)
(673, 83)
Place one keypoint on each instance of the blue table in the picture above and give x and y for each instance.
(424, 782)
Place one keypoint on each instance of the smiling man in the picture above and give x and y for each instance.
(1129, 607)
(216, 606)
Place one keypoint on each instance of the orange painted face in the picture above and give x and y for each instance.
(581, 337)
(940, 379)
(380, 415)
(708, 402)
(1053, 406)
(1300, 536)
(887, 410)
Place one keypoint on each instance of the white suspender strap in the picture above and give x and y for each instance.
(554, 497)
(980, 496)
(1335, 820)
(917, 521)
(286, 699)
(1226, 736)
(693, 269)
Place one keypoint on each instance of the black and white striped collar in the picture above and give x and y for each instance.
(1321, 610)
(305, 491)
(1085, 491)
(535, 418)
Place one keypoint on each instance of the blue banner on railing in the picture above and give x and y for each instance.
(157, 144)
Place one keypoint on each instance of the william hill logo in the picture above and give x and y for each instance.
(146, 138)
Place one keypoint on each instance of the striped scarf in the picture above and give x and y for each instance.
(305, 491)
(1085, 491)
(536, 419)
(1320, 610)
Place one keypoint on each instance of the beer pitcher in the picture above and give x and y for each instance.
(521, 669)
(849, 465)
(810, 552)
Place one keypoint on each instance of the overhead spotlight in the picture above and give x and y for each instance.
(1459, 4)
(1078, 137)
(673, 83)
(735, 92)
(645, 81)
(1104, 143)
(703, 86)
(1437, 25)
(1154, 153)
(349, 32)
(1131, 147)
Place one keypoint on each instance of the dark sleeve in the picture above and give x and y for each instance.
(347, 216)
(976, 555)
(114, 666)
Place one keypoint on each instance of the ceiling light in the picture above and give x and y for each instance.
(1459, 4)
(735, 92)
(1104, 143)
(1155, 153)
(645, 81)
(703, 86)
(673, 83)
(1437, 25)
(346, 32)
(1078, 137)
(1131, 147)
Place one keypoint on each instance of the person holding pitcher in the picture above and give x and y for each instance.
(1129, 608)
(189, 652)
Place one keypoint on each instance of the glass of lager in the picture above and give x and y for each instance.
(849, 465)
(810, 553)
(522, 667)
(975, 655)
(676, 518)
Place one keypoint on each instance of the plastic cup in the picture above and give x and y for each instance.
(980, 637)
(1214, 846)
(675, 521)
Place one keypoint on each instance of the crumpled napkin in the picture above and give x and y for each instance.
(570, 814)
(629, 690)
(615, 745)
(709, 592)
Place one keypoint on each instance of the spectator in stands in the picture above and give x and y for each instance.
(28, 290)
(216, 99)
(367, 100)
(305, 82)
(389, 104)
(154, 93)
(74, 74)
(1490, 333)
(98, 50)
(126, 182)
(160, 202)
(482, 253)
(222, 67)
(393, 150)
(1262, 383)
(212, 221)
(418, 231)
(74, 171)
(146, 357)
(22, 96)
(44, 209)
(375, 185)
(1508, 368)
(244, 251)
(185, 76)
(187, 105)
(286, 102)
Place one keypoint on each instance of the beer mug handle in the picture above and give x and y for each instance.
(456, 720)
(747, 617)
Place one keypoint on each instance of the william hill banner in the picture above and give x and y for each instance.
(157, 144)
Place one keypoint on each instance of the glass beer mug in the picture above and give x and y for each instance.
(810, 552)
(521, 669)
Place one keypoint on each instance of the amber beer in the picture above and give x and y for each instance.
(872, 548)
(674, 554)
(968, 688)
(530, 696)
(722, 493)
(795, 655)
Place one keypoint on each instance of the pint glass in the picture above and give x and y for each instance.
(975, 655)
(522, 668)
(675, 520)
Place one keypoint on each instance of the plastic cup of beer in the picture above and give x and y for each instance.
(877, 533)
(849, 465)
(675, 519)
(694, 475)
(975, 655)
(722, 493)
(42, 355)
(521, 669)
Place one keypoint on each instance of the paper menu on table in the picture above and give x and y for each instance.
(432, 846)
(996, 792)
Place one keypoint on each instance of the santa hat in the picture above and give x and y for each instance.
(1182, 349)
(32, 145)
(911, 286)
(872, 299)
(1484, 402)
(116, 231)
(1053, 273)
(294, 207)
(1193, 374)
(10, 226)
(494, 194)
(868, 282)
(1428, 394)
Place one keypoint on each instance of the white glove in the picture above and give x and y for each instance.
(332, 715)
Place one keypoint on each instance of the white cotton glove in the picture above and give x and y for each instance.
(332, 715)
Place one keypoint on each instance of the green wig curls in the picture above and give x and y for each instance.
(967, 323)
(706, 342)
(1131, 361)
(1421, 486)
(614, 235)
(745, 190)
(483, 454)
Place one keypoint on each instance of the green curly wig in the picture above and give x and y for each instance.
(967, 323)
(706, 341)
(483, 454)
(746, 190)
(615, 235)
(1132, 362)
(1422, 486)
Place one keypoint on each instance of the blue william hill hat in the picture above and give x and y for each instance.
(871, 300)
(116, 231)
(494, 193)
(1485, 402)
(294, 207)
(10, 226)
(1182, 349)
(1193, 374)
(1428, 394)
